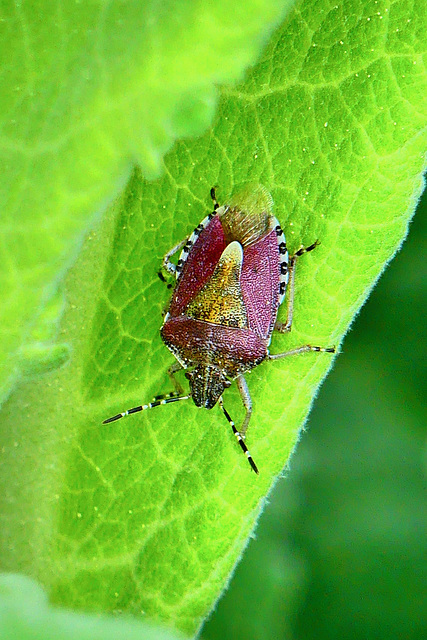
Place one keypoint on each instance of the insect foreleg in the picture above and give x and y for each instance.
(173, 369)
(167, 264)
(179, 391)
(247, 403)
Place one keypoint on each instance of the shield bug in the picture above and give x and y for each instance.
(231, 278)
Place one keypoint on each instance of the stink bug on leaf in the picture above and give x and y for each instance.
(231, 278)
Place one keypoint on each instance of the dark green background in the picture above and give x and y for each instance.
(341, 548)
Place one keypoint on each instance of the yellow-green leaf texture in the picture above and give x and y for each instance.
(86, 90)
(150, 514)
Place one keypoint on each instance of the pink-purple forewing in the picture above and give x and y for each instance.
(199, 265)
(260, 284)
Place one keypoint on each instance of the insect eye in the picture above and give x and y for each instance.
(227, 384)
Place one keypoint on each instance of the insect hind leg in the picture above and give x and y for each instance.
(304, 349)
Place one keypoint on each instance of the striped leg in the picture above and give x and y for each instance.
(167, 265)
(240, 439)
(284, 327)
(303, 349)
(143, 407)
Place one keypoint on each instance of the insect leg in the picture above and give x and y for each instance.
(304, 349)
(168, 284)
(167, 265)
(247, 403)
(174, 368)
(239, 437)
(284, 327)
(143, 407)
(179, 391)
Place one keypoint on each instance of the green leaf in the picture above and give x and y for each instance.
(336, 536)
(87, 89)
(26, 615)
(151, 513)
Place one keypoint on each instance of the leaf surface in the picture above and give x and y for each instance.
(87, 89)
(26, 614)
(151, 513)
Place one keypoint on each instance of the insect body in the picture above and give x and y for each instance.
(231, 278)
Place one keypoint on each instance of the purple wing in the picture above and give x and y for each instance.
(204, 251)
(260, 284)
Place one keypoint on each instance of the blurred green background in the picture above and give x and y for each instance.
(340, 551)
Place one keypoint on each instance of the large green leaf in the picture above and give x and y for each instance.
(88, 88)
(151, 513)
(344, 527)
(26, 615)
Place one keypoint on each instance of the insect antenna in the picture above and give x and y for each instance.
(239, 437)
(156, 403)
